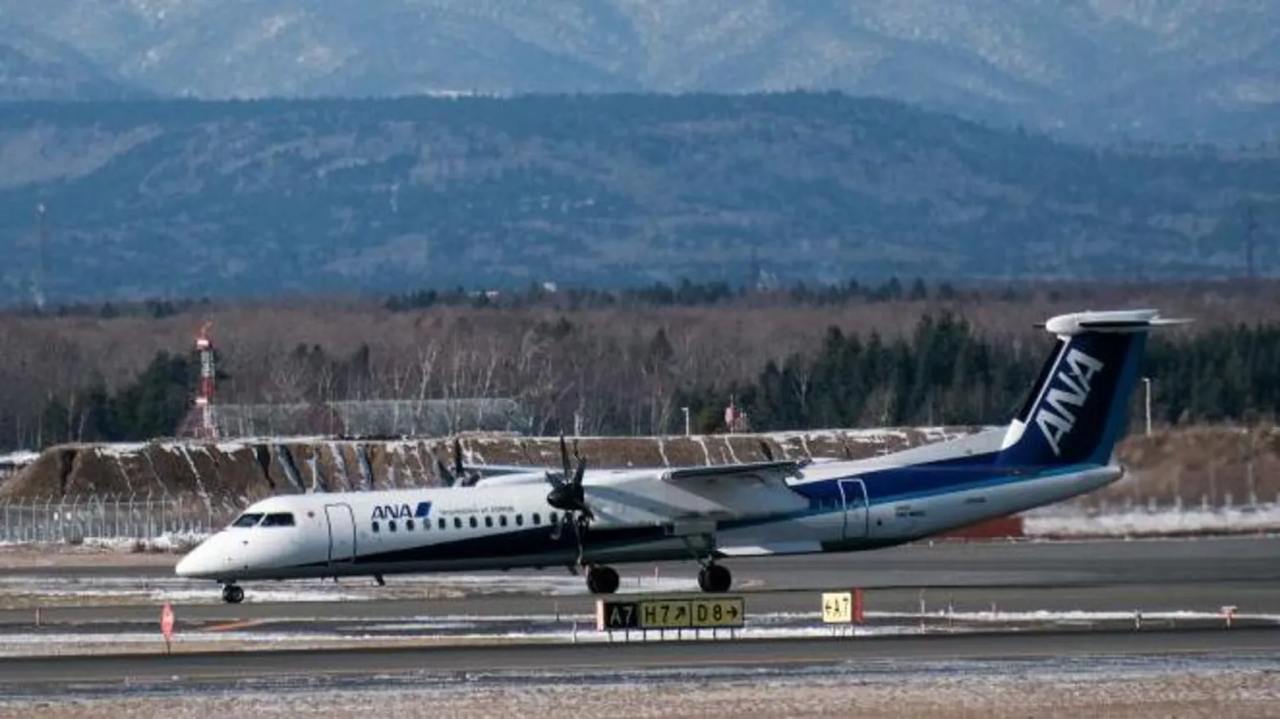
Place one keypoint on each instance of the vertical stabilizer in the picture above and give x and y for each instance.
(1079, 406)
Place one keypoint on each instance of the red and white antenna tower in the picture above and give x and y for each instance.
(208, 427)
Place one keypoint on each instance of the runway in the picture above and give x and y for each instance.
(686, 655)
(1036, 624)
(1103, 576)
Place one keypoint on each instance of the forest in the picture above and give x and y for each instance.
(627, 362)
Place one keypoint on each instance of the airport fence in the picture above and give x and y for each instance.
(145, 518)
(151, 522)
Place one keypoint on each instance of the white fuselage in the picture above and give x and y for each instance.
(639, 518)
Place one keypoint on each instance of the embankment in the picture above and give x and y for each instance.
(1202, 466)
(250, 469)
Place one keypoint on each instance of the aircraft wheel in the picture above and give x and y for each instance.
(715, 578)
(231, 594)
(602, 580)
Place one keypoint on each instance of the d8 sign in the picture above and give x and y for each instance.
(725, 612)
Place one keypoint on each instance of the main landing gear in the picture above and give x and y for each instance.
(232, 594)
(714, 578)
(602, 580)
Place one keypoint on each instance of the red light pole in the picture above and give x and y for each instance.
(208, 428)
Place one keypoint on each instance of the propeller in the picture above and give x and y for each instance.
(447, 475)
(567, 493)
(459, 473)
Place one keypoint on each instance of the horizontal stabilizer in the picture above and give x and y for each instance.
(1115, 321)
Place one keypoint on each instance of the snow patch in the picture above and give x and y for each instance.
(1069, 522)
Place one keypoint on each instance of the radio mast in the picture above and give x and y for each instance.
(207, 427)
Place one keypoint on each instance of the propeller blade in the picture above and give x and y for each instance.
(457, 457)
(768, 452)
(567, 493)
(445, 475)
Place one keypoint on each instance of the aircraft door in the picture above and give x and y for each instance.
(854, 492)
(342, 532)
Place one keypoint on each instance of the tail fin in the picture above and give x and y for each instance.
(1079, 406)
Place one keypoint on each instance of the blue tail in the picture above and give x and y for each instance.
(1079, 406)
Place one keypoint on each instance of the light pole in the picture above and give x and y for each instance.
(1146, 385)
(686, 421)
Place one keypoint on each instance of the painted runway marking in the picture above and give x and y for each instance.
(229, 626)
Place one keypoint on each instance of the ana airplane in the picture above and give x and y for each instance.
(1058, 445)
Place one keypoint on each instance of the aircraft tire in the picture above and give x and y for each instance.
(231, 594)
(715, 579)
(602, 580)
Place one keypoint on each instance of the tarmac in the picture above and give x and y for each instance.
(374, 661)
(946, 601)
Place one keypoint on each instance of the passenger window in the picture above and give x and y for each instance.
(281, 519)
(519, 520)
(247, 520)
(442, 523)
(408, 525)
(502, 520)
(391, 525)
(537, 518)
(457, 522)
(488, 521)
(473, 522)
(375, 527)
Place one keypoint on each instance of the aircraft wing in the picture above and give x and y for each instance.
(759, 470)
(692, 500)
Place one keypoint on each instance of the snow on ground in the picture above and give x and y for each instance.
(19, 458)
(36, 588)
(1071, 522)
(462, 629)
(1193, 686)
(170, 542)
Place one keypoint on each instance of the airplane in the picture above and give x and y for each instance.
(1058, 445)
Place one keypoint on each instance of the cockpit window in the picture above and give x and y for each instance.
(280, 519)
(248, 519)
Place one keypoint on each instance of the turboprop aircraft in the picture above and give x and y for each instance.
(1057, 446)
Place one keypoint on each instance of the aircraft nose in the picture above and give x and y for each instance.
(200, 563)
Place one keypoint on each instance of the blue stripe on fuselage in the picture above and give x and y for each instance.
(899, 484)
(934, 478)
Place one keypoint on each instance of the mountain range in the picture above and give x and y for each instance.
(1103, 71)
(180, 198)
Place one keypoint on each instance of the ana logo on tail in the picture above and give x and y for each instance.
(1055, 418)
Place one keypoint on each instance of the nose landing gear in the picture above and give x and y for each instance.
(602, 580)
(232, 594)
(714, 578)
